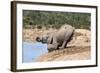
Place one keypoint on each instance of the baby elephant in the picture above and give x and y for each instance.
(57, 40)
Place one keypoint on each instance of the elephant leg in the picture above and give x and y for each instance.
(55, 42)
(53, 46)
(50, 39)
(63, 45)
(66, 41)
(69, 37)
(50, 47)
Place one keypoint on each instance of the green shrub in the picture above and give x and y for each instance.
(39, 27)
(56, 19)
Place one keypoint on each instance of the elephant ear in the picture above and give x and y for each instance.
(50, 39)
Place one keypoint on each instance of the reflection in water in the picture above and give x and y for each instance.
(31, 51)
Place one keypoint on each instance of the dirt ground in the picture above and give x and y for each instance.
(78, 49)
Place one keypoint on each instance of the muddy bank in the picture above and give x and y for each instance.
(78, 49)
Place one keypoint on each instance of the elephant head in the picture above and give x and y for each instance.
(42, 38)
(47, 38)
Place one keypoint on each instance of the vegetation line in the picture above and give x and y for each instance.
(54, 19)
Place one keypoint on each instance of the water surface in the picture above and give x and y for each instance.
(31, 51)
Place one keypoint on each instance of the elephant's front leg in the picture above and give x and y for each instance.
(55, 43)
(51, 47)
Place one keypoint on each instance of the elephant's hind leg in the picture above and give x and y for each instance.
(63, 45)
(69, 38)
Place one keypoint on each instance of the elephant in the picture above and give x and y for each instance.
(57, 40)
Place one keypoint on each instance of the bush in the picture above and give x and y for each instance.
(56, 19)
(39, 27)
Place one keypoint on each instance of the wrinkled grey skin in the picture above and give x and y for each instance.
(51, 47)
(59, 39)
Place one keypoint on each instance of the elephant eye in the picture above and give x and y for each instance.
(37, 38)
